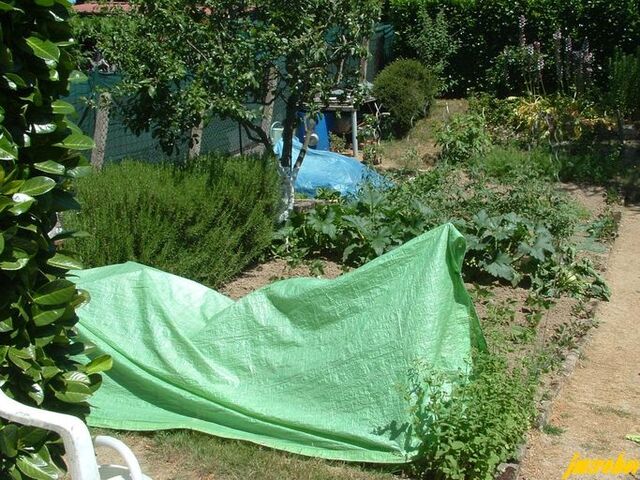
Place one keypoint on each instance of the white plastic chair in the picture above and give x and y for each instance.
(79, 448)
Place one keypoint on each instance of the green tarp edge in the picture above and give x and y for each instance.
(311, 366)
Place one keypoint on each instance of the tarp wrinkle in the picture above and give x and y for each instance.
(311, 366)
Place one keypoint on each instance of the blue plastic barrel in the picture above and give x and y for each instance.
(321, 130)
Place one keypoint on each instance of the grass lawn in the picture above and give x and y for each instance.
(188, 455)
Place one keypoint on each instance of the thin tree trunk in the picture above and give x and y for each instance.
(290, 174)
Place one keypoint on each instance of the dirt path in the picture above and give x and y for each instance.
(600, 403)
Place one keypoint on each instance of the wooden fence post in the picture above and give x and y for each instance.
(101, 130)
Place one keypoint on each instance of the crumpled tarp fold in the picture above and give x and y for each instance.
(311, 366)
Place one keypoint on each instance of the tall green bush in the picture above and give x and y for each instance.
(38, 161)
(434, 43)
(624, 83)
(406, 88)
(206, 221)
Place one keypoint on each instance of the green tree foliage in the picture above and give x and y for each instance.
(38, 161)
(624, 83)
(406, 88)
(206, 221)
(433, 43)
(184, 61)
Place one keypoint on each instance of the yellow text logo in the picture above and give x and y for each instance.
(607, 466)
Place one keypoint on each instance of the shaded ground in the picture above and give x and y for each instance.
(600, 403)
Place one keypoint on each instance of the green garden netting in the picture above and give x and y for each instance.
(311, 366)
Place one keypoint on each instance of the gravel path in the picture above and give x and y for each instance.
(600, 403)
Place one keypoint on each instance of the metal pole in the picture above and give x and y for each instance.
(354, 132)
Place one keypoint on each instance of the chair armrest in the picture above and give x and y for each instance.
(135, 473)
(75, 435)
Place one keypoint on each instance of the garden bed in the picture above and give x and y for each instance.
(504, 315)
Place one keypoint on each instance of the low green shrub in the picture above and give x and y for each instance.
(406, 89)
(462, 137)
(508, 246)
(434, 43)
(505, 162)
(468, 426)
(205, 221)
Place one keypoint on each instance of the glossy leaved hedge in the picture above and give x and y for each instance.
(39, 159)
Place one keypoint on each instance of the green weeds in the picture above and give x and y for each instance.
(469, 425)
(516, 232)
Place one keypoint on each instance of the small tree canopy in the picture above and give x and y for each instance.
(184, 61)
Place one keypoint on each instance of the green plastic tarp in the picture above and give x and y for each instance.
(310, 366)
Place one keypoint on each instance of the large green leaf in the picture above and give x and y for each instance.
(28, 436)
(38, 466)
(57, 292)
(99, 364)
(9, 440)
(501, 267)
(45, 317)
(50, 166)
(8, 149)
(35, 186)
(67, 262)
(74, 392)
(21, 203)
(14, 81)
(80, 171)
(76, 141)
(71, 234)
(13, 264)
(44, 49)
(60, 107)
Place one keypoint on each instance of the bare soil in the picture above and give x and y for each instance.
(600, 403)
(418, 150)
(273, 270)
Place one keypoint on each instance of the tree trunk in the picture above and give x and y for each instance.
(287, 169)
(290, 123)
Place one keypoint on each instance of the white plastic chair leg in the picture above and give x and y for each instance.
(132, 470)
(80, 454)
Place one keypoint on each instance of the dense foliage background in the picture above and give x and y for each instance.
(484, 28)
